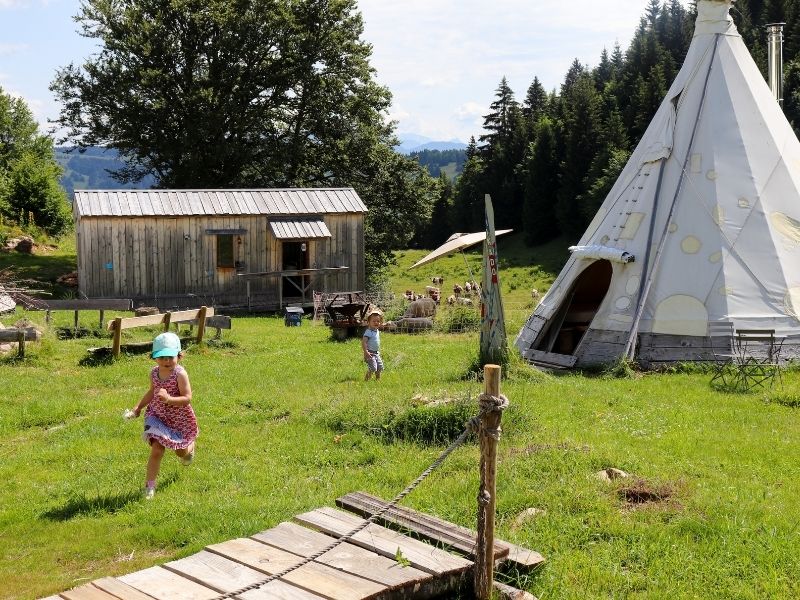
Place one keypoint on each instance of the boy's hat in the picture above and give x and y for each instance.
(166, 344)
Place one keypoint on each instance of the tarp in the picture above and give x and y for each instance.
(456, 242)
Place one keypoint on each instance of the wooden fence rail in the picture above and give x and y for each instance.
(77, 305)
(119, 324)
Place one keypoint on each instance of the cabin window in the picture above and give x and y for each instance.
(225, 258)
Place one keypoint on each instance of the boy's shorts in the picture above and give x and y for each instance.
(374, 363)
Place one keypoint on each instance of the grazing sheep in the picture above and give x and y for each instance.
(465, 301)
(534, 294)
(451, 300)
(457, 289)
(468, 287)
(421, 307)
(434, 293)
(437, 280)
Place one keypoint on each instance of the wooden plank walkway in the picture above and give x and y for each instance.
(365, 567)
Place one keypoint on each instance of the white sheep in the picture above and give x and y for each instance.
(451, 300)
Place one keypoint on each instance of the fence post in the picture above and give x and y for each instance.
(167, 320)
(117, 337)
(490, 422)
(201, 323)
(21, 343)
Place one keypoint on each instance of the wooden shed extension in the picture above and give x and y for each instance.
(193, 247)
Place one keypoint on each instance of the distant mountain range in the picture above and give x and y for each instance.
(89, 170)
(413, 142)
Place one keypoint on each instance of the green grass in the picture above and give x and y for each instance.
(288, 425)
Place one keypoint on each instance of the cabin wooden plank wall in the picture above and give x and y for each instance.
(157, 257)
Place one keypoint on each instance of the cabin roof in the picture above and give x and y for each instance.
(172, 203)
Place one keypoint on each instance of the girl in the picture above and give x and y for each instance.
(169, 421)
(371, 344)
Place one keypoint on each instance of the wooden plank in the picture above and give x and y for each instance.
(12, 334)
(313, 577)
(506, 592)
(181, 315)
(217, 322)
(90, 304)
(119, 589)
(427, 525)
(385, 541)
(225, 575)
(550, 358)
(163, 584)
(87, 592)
(347, 557)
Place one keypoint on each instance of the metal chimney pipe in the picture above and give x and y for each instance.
(775, 58)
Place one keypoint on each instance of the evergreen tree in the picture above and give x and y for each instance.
(535, 105)
(540, 186)
(441, 218)
(580, 146)
(468, 203)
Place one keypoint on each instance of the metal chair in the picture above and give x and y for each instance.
(720, 337)
(758, 358)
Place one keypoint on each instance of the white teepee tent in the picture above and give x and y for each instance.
(703, 224)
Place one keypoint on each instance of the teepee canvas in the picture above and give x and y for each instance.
(703, 224)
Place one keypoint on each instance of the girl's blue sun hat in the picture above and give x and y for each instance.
(166, 344)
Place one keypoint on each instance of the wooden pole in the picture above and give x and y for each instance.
(484, 555)
(21, 343)
(201, 323)
(117, 337)
(167, 319)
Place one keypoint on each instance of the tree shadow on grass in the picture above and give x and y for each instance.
(84, 505)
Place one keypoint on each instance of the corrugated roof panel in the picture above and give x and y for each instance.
(299, 229)
(144, 203)
(134, 203)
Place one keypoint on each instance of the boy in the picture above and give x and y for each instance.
(371, 344)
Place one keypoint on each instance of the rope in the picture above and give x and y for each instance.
(487, 405)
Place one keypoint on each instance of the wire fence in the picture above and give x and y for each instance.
(459, 315)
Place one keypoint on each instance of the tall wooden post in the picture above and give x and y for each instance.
(21, 342)
(117, 337)
(201, 323)
(490, 423)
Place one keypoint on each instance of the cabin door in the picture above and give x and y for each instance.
(295, 257)
(572, 321)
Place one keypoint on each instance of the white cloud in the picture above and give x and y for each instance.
(24, 3)
(434, 56)
(9, 49)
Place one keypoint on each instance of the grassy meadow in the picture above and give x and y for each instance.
(287, 425)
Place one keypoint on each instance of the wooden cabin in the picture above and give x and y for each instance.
(260, 248)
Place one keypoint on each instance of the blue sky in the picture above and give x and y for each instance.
(442, 59)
